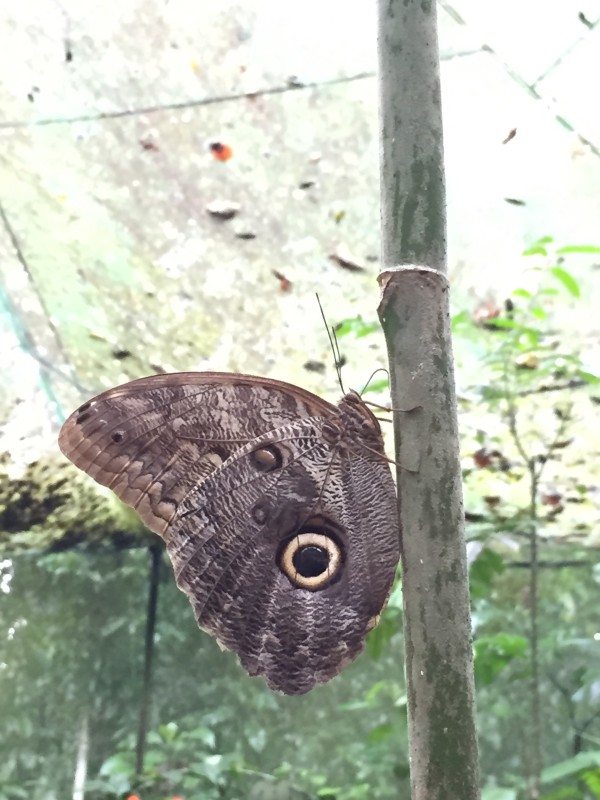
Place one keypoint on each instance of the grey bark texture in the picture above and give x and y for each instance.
(414, 312)
(413, 214)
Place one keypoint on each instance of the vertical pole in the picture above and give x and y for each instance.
(414, 312)
(413, 196)
(146, 698)
(81, 760)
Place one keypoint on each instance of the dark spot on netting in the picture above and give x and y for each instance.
(117, 436)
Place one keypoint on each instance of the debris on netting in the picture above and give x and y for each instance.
(285, 285)
(346, 259)
(221, 151)
(223, 209)
(242, 232)
(148, 144)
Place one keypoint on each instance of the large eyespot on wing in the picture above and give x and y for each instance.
(236, 546)
(312, 635)
(311, 558)
(150, 440)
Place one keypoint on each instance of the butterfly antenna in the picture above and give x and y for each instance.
(379, 369)
(339, 359)
(333, 344)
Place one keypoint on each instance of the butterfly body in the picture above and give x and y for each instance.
(278, 510)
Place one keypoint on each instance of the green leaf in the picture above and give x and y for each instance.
(395, 598)
(212, 768)
(564, 793)
(498, 793)
(539, 312)
(535, 250)
(522, 293)
(591, 779)
(258, 740)
(191, 782)
(589, 377)
(119, 764)
(493, 393)
(378, 686)
(152, 758)
(567, 280)
(571, 766)
(380, 636)
(354, 705)
(169, 731)
(461, 319)
(493, 653)
(14, 792)
(203, 734)
(355, 325)
(483, 570)
(511, 324)
(528, 339)
(579, 248)
(381, 385)
(539, 246)
(380, 733)
(113, 626)
(329, 792)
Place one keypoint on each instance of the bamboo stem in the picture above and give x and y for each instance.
(415, 317)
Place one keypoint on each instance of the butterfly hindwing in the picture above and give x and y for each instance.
(227, 544)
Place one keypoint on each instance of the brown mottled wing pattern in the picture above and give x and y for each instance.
(234, 472)
(225, 542)
(153, 439)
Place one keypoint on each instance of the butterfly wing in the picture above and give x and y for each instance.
(233, 471)
(153, 439)
(230, 534)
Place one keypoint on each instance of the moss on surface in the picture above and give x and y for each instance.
(51, 506)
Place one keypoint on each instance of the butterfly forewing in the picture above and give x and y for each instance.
(152, 439)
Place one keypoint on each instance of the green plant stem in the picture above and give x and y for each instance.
(535, 468)
(535, 759)
(536, 720)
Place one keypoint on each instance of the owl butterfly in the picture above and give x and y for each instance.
(278, 510)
